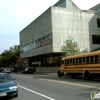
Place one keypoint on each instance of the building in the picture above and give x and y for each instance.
(41, 40)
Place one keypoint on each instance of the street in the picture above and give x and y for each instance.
(51, 87)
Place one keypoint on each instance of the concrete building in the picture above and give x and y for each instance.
(42, 39)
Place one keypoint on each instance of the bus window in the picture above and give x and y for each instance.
(83, 59)
(80, 60)
(99, 58)
(87, 59)
(96, 58)
(66, 62)
(91, 59)
(76, 60)
(70, 61)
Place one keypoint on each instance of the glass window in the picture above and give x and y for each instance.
(98, 9)
(96, 58)
(87, 59)
(64, 4)
(43, 39)
(98, 22)
(91, 59)
(96, 39)
(83, 59)
(80, 60)
(35, 44)
(76, 60)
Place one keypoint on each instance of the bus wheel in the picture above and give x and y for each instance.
(87, 75)
(73, 75)
(59, 73)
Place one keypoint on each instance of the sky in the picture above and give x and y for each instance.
(15, 15)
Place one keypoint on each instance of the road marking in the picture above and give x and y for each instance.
(81, 85)
(75, 84)
(36, 92)
(24, 76)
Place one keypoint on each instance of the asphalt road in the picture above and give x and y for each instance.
(50, 87)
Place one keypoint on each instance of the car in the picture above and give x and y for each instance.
(28, 71)
(1, 70)
(8, 88)
(7, 70)
(14, 70)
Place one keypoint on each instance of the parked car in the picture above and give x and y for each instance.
(28, 71)
(1, 69)
(7, 70)
(7, 86)
(14, 70)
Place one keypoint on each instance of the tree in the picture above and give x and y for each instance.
(9, 56)
(70, 48)
(14, 53)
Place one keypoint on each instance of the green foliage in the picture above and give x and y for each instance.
(70, 48)
(9, 56)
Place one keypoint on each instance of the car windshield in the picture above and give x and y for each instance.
(26, 69)
(5, 78)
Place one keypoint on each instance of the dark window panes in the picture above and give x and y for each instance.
(76, 60)
(96, 39)
(96, 58)
(70, 61)
(73, 61)
(87, 59)
(65, 62)
(98, 22)
(83, 59)
(91, 59)
(80, 60)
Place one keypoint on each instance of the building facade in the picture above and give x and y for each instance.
(42, 39)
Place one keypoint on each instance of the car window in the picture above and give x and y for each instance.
(26, 69)
(5, 78)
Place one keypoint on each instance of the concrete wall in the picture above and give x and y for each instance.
(35, 30)
(46, 69)
(62, 23)
(75, 25)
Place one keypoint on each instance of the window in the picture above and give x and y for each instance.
(91, 59)
(70, 61)
(96, 39)
(98, 9)
(76, 60)
(83, 59)
(87, 59)
(98, 22)
(80, 60)
(96, 58)
(62, 4)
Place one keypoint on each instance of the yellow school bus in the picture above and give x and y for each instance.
(87, 65)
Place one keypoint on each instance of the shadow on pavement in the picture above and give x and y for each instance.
(5, 98)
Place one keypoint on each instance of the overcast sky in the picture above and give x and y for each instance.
(15, 15)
